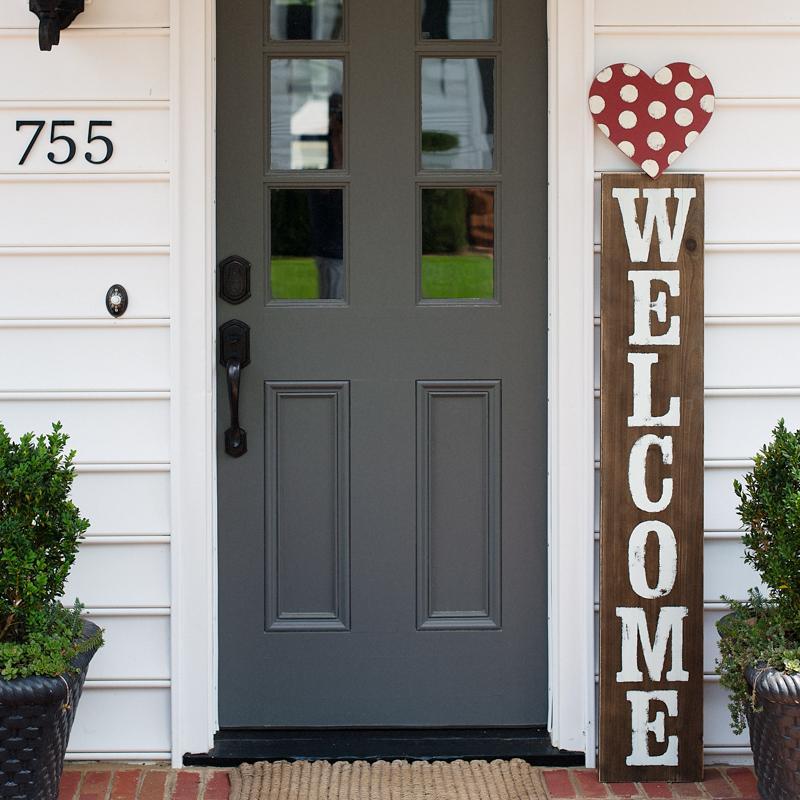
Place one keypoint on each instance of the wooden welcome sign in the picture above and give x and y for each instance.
(651, 543)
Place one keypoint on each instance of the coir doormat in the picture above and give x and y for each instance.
(384, 780)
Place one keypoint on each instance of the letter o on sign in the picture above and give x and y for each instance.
(667, 559)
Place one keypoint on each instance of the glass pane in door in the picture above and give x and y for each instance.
(457, 97)
(457, 260)
(306, 113)
(305, 19)
(458, 19)
(307, 244)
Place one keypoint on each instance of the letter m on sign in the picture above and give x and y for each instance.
(651, 497)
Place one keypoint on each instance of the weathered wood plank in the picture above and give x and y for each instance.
(678, 373)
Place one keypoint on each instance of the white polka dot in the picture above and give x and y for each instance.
(650, 167)
(627, 148)
(707, 103)
(683, 91)
(673, 155)
(690, 137)
(695, 72)
(604, 76)
(629, 93)
(596, 104)
(684, 117)
(656, 109)
(630, 70)
(627, 119)
(604, 129)
(663, 76)
(656, 140)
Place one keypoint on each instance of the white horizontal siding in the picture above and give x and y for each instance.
(100, 428)
(68, 233)
(121, 575)
(720, 501)
(113, 721)
(98, 14)
(747, 64)
(691, 12)
(752, 206)
(117, 356)
(125, 64)
(74, 210)
(76, 282)
(124, 503)
(136, 647)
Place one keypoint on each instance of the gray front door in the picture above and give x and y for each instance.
(382, 543)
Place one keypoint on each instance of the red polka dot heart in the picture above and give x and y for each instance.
(652, 120)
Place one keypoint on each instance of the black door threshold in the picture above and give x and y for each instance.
(235, 746)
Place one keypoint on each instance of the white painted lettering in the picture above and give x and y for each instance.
(669, 241)
(643, 395)
(642, 725)
(667, 559)
(644, 306)
(634, 631)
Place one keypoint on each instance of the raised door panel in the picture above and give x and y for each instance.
(458, 504)
(308, 506)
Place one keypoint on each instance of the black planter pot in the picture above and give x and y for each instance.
(36, 716)
(775, 733)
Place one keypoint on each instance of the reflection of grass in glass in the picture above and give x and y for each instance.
(469, 277)
(294, 279)
(458, 276)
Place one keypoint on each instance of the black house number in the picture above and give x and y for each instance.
(99, 148)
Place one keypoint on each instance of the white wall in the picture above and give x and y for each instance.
(749, 154)
(67, 234)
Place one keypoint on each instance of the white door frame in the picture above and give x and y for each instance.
(570, 378)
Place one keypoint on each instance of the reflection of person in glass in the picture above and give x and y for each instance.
(326, 213)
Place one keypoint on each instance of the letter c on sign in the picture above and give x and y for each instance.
(636, 472)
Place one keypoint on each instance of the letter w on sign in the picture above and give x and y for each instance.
(651, 478)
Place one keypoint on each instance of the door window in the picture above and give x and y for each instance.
(306, 113)
(461, 20)
(457, 259)
(305, 19)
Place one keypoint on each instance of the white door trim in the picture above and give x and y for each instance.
(571, 499)
(570, 378)
(193, 413)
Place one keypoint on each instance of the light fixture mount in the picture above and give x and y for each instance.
(54, 16)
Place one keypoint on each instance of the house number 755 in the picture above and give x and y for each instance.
(65, 148)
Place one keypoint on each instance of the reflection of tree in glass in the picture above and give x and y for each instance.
(444, 220)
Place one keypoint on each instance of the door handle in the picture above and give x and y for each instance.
(234, 355)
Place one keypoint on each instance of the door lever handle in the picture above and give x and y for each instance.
(234, 355)
(235, 436)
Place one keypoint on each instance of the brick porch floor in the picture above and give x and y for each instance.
(127, 782)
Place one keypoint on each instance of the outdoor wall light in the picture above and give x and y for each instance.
(54, 16)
